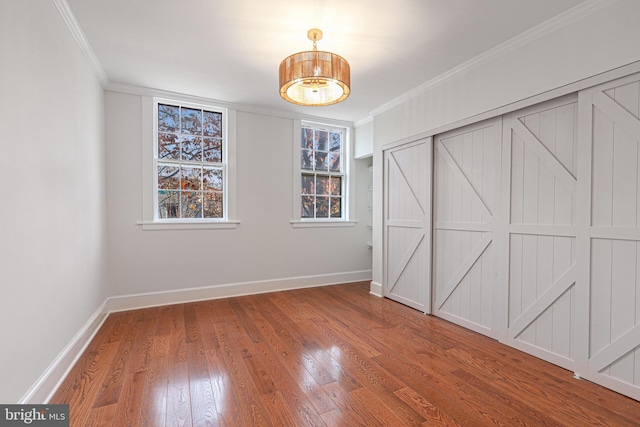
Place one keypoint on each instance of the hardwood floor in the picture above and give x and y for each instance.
(334, 356)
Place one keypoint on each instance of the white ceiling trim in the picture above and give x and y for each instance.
(152, 92)
(562, 20)
(363, 121)
(78, 35)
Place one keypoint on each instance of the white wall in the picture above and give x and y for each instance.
(596, 43)
(364, 140)
(52, 221)
(263, 247)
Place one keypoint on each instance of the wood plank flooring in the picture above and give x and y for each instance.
(328, 356)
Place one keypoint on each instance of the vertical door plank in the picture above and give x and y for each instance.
(530, 188)
(515, 278)
(623, 275)
(600, 295)
(636, 353)
(547, 181)
(517, 178)
(544, 323)
(566, 132)
(563, 307)
(602, 200)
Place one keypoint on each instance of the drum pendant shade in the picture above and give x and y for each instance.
(314, 78)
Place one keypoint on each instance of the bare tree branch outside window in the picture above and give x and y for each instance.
(190, 168)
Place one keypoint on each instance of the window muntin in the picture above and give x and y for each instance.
(190, 180)
(322, 173)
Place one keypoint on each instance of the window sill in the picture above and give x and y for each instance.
(319, 224)
(204, 225)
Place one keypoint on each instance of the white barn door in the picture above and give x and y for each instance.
(540, 182)
(610, 116)
(466, 179)
(407, 224)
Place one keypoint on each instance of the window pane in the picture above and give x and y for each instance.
(336, 186)
(336, 207)
(212, 124)
(192, 121)
(190, 162)
(306, 159)
(212, 179)
(168, 177)
(322, 184)
(212, 150)
(335, 141)
(191, 204)
(308, 185)
(307, 207)
(307, 138)
(213, 205)
(168, 146)
(322, 171)
(191, 178)
(334, 161)
(192, 148)
(322, 207)
(322, 137)
(321, 161)
(168, 118)
(168, 204)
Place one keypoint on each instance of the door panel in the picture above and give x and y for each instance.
(539, 153)
(465, 187)
(407, 219)
(612, 117)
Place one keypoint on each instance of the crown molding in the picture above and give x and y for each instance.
(363, 121)
(153, 92)
(554, 24)
(78, 35)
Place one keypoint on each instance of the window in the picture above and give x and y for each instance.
(323, 173)
(189, 162)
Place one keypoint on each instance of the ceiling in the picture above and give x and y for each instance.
(230, 50)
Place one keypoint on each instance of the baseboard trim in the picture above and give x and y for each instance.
(154, 299)
(376, 289)
(45, 386)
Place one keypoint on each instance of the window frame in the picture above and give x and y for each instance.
(151, 219)
(348, 182)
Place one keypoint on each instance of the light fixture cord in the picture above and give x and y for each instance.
(315, 82)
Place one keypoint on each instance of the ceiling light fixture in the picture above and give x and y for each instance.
(315, 78)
